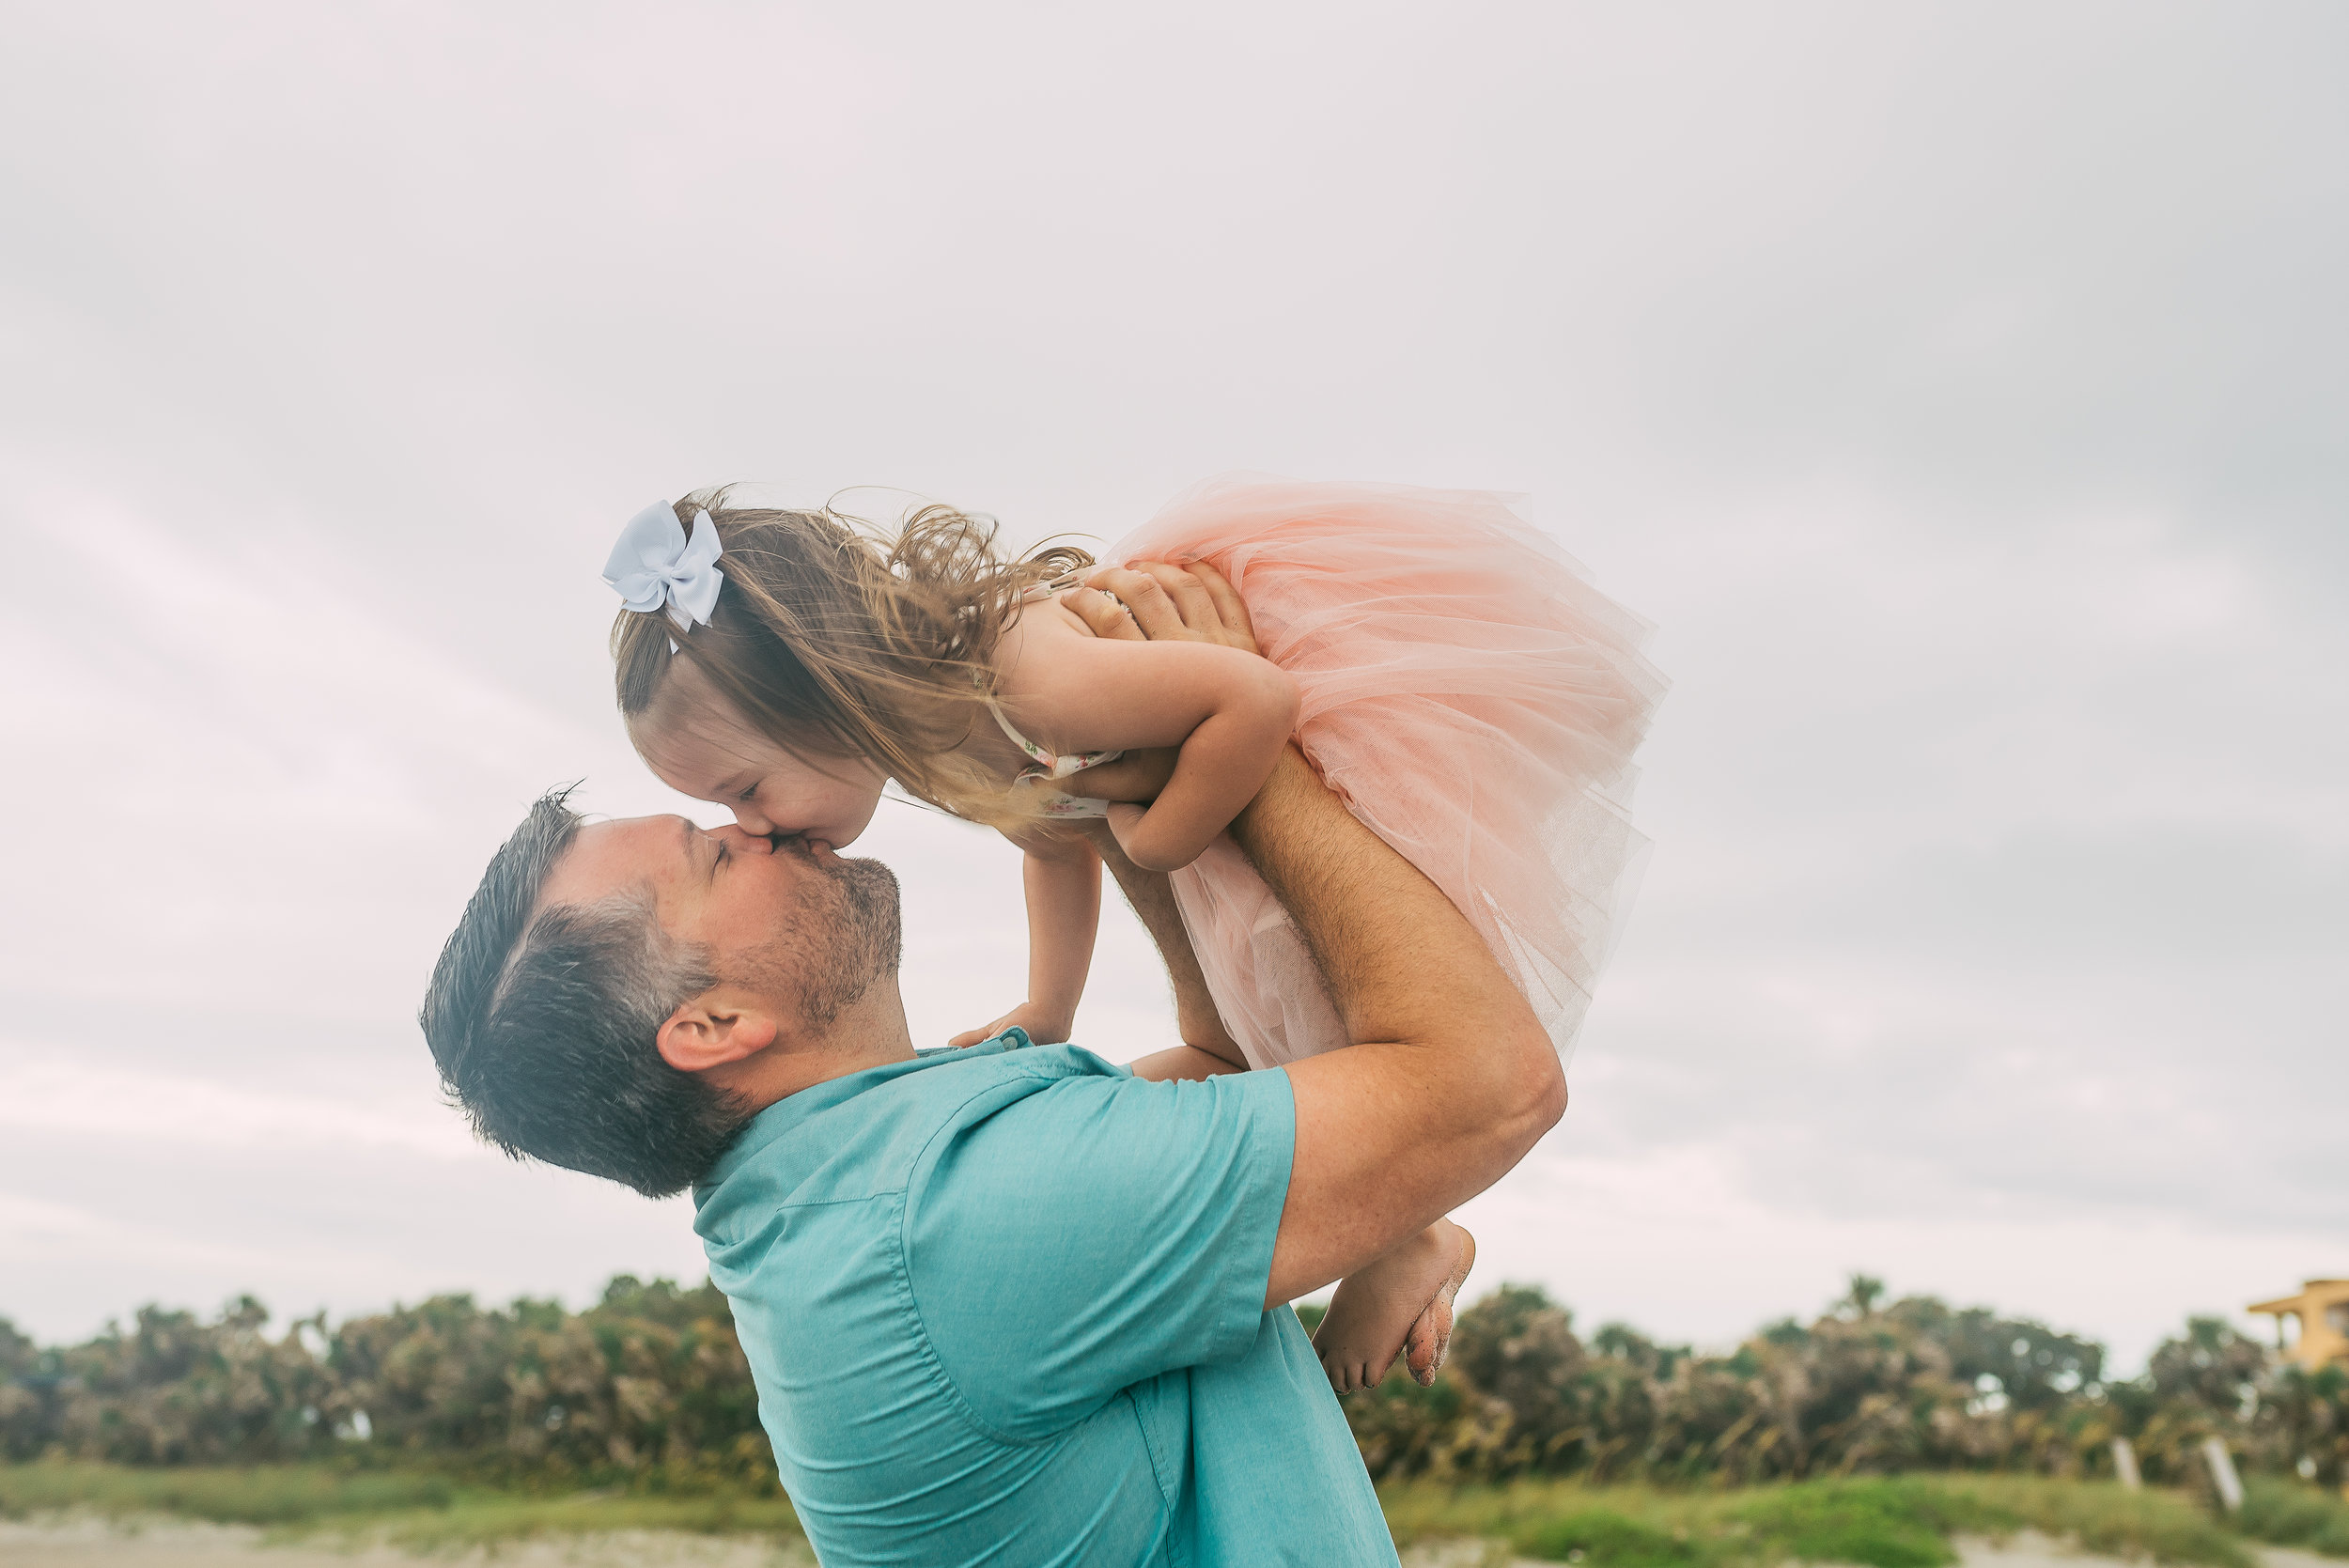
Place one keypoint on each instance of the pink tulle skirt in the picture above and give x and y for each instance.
(1470, 695)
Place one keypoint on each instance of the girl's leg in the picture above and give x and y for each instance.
(1153, 900)
(1400, 1305)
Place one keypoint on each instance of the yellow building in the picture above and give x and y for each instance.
(2321, 1312)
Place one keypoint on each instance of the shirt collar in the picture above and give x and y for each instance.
(792, 1111)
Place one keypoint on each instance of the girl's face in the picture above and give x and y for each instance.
(699, 744)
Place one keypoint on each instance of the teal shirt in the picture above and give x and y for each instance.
(1006, 1306)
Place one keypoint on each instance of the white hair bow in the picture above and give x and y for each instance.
(654, 561)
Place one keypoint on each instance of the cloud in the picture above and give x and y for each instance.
(43, 1088)
(1957, 391)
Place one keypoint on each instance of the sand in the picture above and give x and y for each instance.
(2029, 1549)
(94, 1544)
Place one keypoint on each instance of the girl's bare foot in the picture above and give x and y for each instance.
(1431, 1332)
(1404, 1301)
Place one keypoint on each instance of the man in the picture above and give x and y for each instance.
(1008, 1304)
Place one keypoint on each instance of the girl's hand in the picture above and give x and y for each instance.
(1044, 1029)
(1156, 602)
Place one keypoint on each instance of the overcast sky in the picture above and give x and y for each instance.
(1963, 391)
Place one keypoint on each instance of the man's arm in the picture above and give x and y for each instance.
(1452, 1078)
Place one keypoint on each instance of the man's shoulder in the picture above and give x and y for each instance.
(948, 1086)
(865, 1135)
(1084, 1138)
(958, 1088)
(1009, 1060)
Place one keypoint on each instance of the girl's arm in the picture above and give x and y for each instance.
(1063, 878)
(1230, 711)
(1188, 1063)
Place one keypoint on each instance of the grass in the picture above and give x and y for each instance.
(489, 1520)
(263, 1495)
(2103, 1516)
(1605, 1536)
(1900, 1522)
(427, 1512)
(1904, 1522)
(2290, 1514)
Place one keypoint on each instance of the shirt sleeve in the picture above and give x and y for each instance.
(1095, 1234)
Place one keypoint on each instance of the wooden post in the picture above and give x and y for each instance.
(2222, 1476)
(2124, 1464)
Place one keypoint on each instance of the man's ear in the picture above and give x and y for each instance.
(712, 1030)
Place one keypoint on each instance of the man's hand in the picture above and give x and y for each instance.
(1154, 602)
(1157, 602)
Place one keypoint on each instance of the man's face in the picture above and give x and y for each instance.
(791, 919)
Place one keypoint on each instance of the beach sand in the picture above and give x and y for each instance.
(2027, 1549)
(85, 1543)
(79, 1542)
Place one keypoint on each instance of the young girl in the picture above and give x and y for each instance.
(1448, 671)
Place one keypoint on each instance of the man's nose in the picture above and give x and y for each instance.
(744, 836)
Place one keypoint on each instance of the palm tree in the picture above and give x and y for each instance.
(1862, 1294)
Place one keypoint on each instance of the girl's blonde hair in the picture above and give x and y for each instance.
(832, 635)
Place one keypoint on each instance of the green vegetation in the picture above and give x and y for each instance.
(485, 1520)
(1904, 1522)
(1867, 1435)
(264, 1495)
(647, 1390)
(1604, 1536)
(1868, 1388)
(2287, 1513)
(425, 1512)
(1888, 1523)
(2102, 1516)
(1882, 1522)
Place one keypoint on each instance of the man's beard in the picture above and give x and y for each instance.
(867, 942)
(845, 937)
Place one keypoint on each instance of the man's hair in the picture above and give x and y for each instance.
(543, 1027)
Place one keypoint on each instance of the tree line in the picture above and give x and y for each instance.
(649, 1388)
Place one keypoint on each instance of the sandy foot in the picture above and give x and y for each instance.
(1405, 1299)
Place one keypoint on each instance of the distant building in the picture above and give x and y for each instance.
(2322, 1311)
